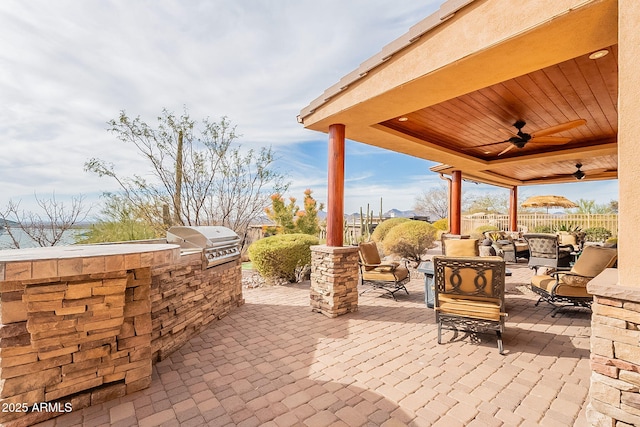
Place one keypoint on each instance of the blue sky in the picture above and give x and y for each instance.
(67, 67)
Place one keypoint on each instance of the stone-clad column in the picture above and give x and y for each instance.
(334, 280)
(615, 353)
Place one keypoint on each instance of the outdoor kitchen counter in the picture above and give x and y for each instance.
(63, 261)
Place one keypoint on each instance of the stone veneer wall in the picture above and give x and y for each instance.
(78, 329)
(615, 353)
(187, 297)
(334, 280)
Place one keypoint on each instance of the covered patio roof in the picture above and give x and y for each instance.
(451, 89)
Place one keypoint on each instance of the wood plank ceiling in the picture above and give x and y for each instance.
(479, 123)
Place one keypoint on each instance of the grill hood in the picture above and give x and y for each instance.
(219, 244)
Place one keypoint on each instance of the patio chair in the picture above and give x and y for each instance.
(564, 289)
(469, 295)
(511, 244)
(391, 277)
(575, 239)
(546, 251)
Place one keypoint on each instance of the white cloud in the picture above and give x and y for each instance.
(67, 67)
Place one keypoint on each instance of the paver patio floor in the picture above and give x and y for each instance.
(273, 362)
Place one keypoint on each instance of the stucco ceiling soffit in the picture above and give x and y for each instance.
(509, 53)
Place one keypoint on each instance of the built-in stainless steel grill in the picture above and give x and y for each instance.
(218, 244)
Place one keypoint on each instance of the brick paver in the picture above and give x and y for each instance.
(274, 362)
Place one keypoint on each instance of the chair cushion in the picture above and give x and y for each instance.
(478, 309)
(521, 246)
(593, 260)
(369, 254)
(571, 288)
(461, 247)
(567, 239)
(385, 268)
(400, 273)
(544, 282)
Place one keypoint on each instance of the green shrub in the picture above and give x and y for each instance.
(483, 228)
(410, 240)
(117, 231)
(383, 228)
(542, 229)
(279, 256)
(596, 234)
(568, 227)
(441, 224)
(478, 233)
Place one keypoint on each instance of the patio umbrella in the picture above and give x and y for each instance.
(547, 202)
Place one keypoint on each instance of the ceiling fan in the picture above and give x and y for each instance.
(579, 174)
(520, 138)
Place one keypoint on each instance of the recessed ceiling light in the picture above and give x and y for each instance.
(403, 119)
(599, 54)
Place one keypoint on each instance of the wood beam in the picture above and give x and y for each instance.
(456, 202)
(335, 186)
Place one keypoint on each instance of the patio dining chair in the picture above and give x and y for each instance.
(469, 295)
(564, 289)
(390, 277)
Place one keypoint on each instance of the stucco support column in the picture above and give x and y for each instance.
(334, 268)
(335, 186)
(455, 215)
(615, 349)
(513, 209)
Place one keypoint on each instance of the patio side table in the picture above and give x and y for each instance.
(426, 267)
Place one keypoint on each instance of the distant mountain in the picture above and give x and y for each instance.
(4, 222)
(395, 213)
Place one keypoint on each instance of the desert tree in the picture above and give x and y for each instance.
(48, 227)
(119, 220)
(289, 218)
(307, 219)
(200, 174)
(434, 201)
(590, 207)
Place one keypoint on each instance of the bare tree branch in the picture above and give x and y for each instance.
(220, 184)
(44, 229)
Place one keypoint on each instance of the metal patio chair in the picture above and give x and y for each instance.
(469, 295)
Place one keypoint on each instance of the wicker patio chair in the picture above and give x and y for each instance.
(469, 295)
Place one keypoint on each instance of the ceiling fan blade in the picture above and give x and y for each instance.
(550, 140)
(596, 171)
(487, 145)
(509, 132)
(509, 148)
(559, 128)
